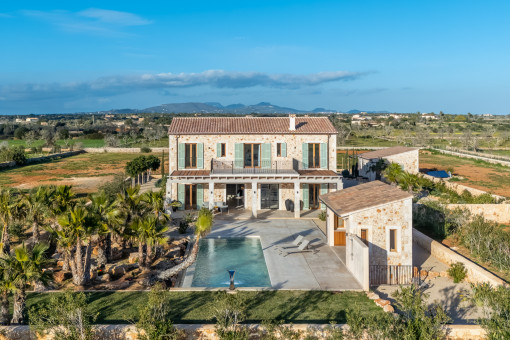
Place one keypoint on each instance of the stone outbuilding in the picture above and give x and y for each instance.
(370, 226)
(407, 157)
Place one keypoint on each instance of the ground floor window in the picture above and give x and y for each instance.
(190, 196)
(364, 236)
(313, 196)
(393, 240)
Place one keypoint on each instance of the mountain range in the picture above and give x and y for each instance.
(214, 107)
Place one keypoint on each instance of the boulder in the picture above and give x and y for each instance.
(93, 273)
(388, 309)
(372, 296)
(62, 276)
(173, 252)
(133, 258)
(120, 269)
(381, 302)
(104, 278)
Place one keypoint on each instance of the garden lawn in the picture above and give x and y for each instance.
(199, 307)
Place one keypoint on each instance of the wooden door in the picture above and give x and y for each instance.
(339, 238)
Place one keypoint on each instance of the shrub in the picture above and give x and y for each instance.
(345, 173)
(65, 316)
(145, 149)
(457, 272)
(495, 303)
(229, 314)
(18, 155)
(154, 320)
(322, 215)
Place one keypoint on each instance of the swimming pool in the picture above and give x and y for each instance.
(218, 255)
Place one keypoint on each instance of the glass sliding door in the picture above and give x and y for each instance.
(190, 196)
(313, 195)
(269, 196)
(191, 155)
(314, 155)
(252, 155)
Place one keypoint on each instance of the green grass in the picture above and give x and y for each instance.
(357, 141)
(86, 143)
(199, 307)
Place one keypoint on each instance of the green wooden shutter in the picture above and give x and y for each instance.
(324, 190)
(180, 195)
(266, 156)
(324, 156)
(200, 155)
(218, 150)
(306, 202)
(284, 149)
(305, 155)
(181, 155)
(200, 196)
(238, 159)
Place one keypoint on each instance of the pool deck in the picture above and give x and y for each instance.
(322, 270)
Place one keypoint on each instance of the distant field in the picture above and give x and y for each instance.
(477, 174)
(85, 171)
(86, 143)
(369, 142)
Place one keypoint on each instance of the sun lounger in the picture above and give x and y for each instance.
(303, 247)
(294, 243)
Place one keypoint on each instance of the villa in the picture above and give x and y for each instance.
(408, 158)
(371, 226)
(252, 163)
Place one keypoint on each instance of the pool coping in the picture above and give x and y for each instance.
(188, 279)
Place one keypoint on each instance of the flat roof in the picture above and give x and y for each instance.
(363, 196)
(249, 125)
(386, 152)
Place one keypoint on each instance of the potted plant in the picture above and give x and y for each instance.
(175, 205)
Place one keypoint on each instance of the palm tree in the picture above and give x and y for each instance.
(27, 268)
(155, 200)
(6, 287)
(36, 206)
(203, 226)
(131, 206)
(78, 225)
(149, 232)
(109, 218)
(9, 211)
(393, 172)
(410, 182)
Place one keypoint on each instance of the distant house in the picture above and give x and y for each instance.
(408, 158)
(428, 116)
(32, 120)
(370, 227)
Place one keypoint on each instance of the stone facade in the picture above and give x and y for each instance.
(409, 161)
(378, 221)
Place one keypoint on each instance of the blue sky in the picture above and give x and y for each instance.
(402, 56)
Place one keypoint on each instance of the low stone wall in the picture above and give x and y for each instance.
(459, 188)
(42, 158)
(208, 332)
(499, 213)
(475, 273)
(467, 155)
(121, 150)
(7, 164)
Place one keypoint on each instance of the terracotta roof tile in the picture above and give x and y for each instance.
(187, 173)
(249, 125)
(386, 152)
(363, 196)
(313, 172)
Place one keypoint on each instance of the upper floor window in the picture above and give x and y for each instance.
(190, 150)
(314, 156)
(223, 150)
(278, 149)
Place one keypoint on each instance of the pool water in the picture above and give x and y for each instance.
(218, 255)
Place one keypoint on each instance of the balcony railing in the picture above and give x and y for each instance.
(226, 167)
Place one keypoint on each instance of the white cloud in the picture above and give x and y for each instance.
(115, 85)
(114, 17)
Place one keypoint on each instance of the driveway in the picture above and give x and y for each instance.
(320, 270)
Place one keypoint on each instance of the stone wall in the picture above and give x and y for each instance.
(379, 220)
(499, 213)
(482, 158)
(121, 150)
(475, 273)
(208, 332)
(294, 146)
(357, 260)
(410, 162)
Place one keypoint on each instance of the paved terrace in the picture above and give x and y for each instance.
(322, 270)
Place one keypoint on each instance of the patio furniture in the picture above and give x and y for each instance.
(303, 247)
(224, 208)
(294, 243)
(205, 205)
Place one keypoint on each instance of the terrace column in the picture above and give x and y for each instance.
(254, 201)
(211, 195)
(297, 201)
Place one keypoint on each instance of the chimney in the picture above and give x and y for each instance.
(292, 125)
